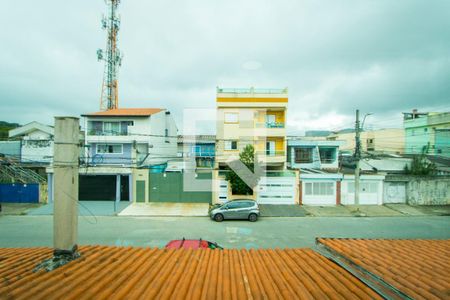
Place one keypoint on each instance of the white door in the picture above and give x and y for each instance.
(319, 193)
(276, 190)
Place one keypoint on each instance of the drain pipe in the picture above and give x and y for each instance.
(65, 213)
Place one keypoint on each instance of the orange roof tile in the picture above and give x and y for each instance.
(418, 268)
(125, 112)
(105, 272)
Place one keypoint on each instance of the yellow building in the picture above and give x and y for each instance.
(252, 116)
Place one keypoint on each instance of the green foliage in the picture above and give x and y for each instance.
(238, 186)
(5, 127)
(421, 166)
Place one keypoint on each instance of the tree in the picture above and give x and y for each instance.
(238, 186)
(420, 166)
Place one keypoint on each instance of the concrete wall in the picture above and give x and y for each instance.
(37, 151)
(428, 191)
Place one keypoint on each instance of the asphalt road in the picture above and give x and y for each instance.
(27, 231)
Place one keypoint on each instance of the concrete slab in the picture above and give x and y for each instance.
(421, 210)
(328, 211)
(16, 209)
(405, 209)
(166, 209)
(85, 208)
(273, 210)
(372, 211)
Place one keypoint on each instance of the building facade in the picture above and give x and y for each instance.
(427, 133)
(119, 146)
(318, 163)
(252, 117)
(200, 147)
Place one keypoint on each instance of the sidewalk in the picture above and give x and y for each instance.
(17, 209)
(157, 209)
(388, 210)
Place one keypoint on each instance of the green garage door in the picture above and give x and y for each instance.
(168, 187)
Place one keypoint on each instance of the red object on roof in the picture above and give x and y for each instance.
(187, 244)
(125, 112)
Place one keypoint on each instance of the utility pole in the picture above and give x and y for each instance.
(65, 209)
(357, 156)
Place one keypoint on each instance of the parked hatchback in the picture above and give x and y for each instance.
(236, 209)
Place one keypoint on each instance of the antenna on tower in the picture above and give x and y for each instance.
(112, 57)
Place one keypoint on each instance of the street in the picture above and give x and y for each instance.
(30, 231)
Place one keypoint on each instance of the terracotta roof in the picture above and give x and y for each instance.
(125, 112)
(418, 268)
(105, 272)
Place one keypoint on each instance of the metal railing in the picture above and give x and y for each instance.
(252, 91)
(269, 125)
(271, 153)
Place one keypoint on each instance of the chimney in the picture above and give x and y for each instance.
(414, 113)
(65, 211)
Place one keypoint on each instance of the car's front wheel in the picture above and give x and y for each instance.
(218, 218)
(253, 217)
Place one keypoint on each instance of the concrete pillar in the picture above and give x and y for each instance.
(338, 192)
(50, 187)
(130, 187)
(65, 165)
(116, 203)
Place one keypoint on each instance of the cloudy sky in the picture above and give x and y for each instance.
(383, 57)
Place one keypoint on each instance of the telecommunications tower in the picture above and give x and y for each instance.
(112, 57)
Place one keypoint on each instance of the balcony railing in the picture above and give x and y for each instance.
(270, 125)
(106, 133)
(271, 153)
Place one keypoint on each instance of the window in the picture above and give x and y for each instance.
(124, 127)
(319, 188)
(231, 118)
(95, 128)
(111, 128)
(109, 148)
(233, 205)
(303, 155)
(230, 145)
(327, 155)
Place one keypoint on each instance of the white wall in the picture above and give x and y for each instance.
(163, 148)
(37, 151)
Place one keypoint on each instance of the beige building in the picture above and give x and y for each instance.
(391, 140)
(252, 116)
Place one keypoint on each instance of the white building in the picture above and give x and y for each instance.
(36, 142)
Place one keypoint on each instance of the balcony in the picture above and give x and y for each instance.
(269, 125)
(271, 156)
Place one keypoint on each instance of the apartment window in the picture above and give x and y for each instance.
(111, 128)
(319, 188)
(109, 149)
(327, 155)
(231, 118)
(95, 128)
(303, 155)
(124, 127)
(230, 145)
